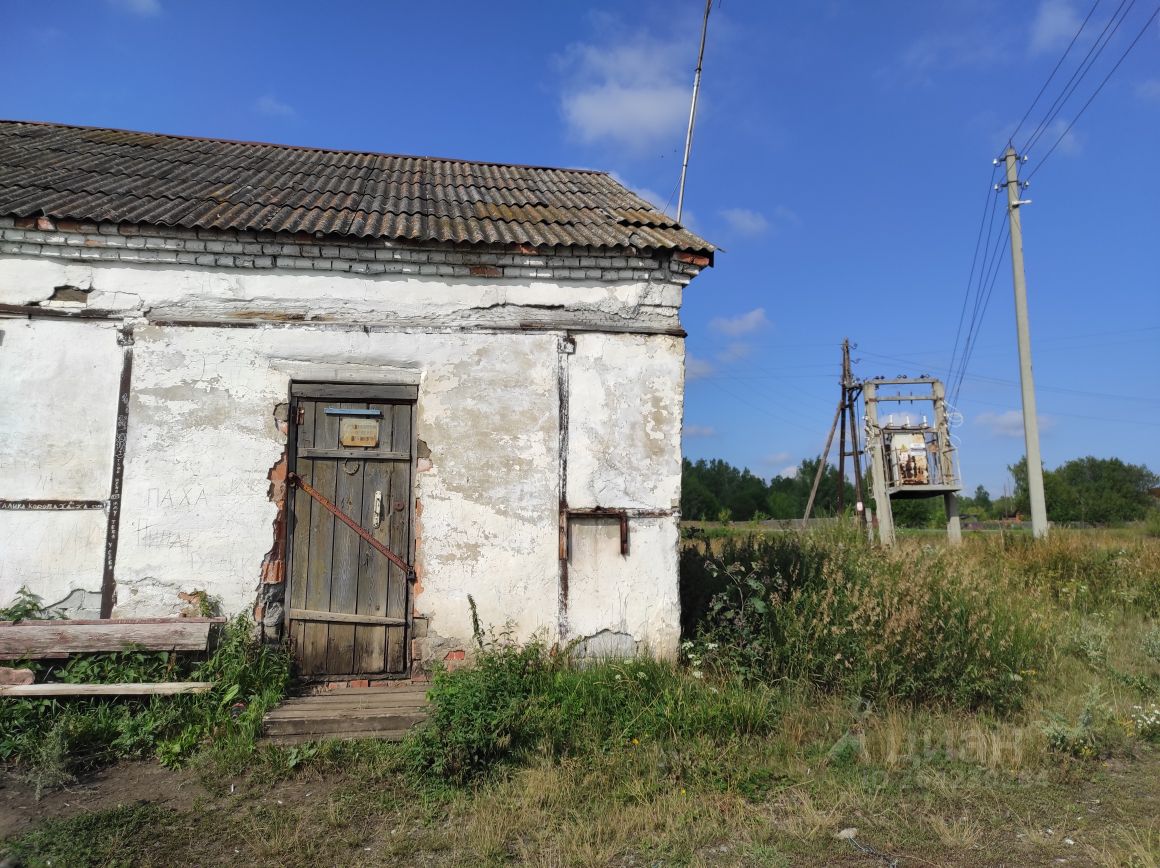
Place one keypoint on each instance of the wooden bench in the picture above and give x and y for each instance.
(39, 640)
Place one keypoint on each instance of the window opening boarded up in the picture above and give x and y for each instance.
(348, 603)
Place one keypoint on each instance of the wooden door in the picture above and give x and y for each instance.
(348, 604)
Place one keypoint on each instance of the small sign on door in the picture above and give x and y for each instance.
(358, 432)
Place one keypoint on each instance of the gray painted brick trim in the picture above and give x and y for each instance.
(113, 242)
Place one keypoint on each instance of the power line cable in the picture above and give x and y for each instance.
(986, 300)
(1058, 64)
(975, 287)
(1080, 73)
(971, 276)
(1096, 92)
(991, 254)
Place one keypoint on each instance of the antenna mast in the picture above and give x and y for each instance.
(693, 111)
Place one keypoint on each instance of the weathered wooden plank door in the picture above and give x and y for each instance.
(348, 604)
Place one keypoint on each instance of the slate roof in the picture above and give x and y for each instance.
(93, 174)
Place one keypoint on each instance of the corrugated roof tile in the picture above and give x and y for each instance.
(131, 177)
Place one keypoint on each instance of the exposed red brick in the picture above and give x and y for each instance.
(455, 655)
(128, 229)
(526, 249)
(692, 259)
(25, 223)
(484, 271)
(68, 226)
(359, 682)
(45, 224)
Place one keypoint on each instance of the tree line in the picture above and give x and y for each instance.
(1088, 490)
(715, 490)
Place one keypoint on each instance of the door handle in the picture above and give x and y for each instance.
(377, 510)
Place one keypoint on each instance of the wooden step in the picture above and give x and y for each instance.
(386, 713)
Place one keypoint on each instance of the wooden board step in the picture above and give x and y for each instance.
(346, 714)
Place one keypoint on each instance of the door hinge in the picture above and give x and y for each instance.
(299, 414)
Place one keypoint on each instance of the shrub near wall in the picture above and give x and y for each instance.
(922, 624)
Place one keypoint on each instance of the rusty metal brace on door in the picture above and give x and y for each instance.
(295, 479)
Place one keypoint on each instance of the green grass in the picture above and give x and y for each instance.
(532, 761)
(51, 741)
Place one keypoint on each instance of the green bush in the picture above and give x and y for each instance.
(1152, 523)
(916, 625)
(517, 700)
(1096, 733)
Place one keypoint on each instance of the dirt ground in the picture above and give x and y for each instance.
(1105, 813)
(122, 784)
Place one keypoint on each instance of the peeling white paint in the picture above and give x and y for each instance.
(202, 438)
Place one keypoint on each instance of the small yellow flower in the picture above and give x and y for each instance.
(636, 741)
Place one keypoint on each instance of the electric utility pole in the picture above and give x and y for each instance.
(693, 111)
(845, 413)
(1023, 331)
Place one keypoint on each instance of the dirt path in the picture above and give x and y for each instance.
(123, 784)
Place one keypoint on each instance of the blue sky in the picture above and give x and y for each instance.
(842, 159)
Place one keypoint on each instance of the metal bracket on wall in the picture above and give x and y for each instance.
(599, 512)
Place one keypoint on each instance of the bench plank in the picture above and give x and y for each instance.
(33, 639)
(163, 688)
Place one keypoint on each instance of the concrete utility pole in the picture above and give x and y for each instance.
(1023, 331)
(946, 466)
(874, 443)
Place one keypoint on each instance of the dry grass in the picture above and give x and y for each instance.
(929, 785)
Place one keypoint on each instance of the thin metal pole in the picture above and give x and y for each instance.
(1023, 333)
(693, 111)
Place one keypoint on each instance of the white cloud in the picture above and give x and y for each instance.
(697, 368)
(138, 7)
(1149, 90)
(648, 194)
(700, 431)
(1069, 144)
(632, 92)
(1009, 423)
(734, 351)
(745, 221)
(777, 458)
(786, 216)
(274, 107)
(788, 472)
(1055, 24)
(966, 48)
(742, 324)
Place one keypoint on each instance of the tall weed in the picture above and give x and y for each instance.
(1081, 572)
(922, 624)
(522, 700)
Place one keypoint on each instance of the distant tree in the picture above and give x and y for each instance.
(982, 500)
(697, 501)
(715, 487)
(924, 512)
(1095, 490)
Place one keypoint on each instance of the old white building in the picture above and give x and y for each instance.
(480, 364)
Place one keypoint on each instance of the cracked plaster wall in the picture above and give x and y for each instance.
(181, 293)
(202, 438)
